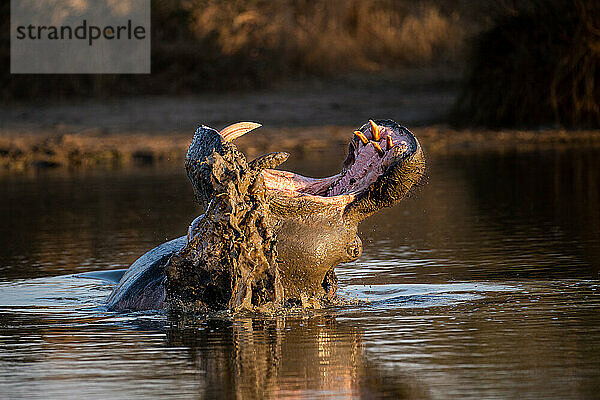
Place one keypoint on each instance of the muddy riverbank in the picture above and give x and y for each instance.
(88, 149)
(297, 117)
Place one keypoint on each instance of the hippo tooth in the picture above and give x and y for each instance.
(375, 130)
(362, 137)
(238, 129)
(378, 148)
(389, 141)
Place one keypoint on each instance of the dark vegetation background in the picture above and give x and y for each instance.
(537, 64)
(518, 64)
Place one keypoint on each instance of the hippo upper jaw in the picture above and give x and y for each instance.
(384, 162)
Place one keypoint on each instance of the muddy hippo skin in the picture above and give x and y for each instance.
(270, 238)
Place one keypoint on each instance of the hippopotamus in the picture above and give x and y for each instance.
(269, 238)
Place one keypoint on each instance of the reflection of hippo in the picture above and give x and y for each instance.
(270, 238)
(266, 357)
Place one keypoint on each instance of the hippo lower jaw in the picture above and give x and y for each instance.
(270, 238)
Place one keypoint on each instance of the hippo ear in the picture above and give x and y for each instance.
(270, 160)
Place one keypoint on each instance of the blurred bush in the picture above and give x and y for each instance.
(538, 65)
(200, 45)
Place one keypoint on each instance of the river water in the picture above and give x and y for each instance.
(483, 284)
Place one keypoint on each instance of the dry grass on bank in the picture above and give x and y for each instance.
(539, 65)
(200, 45)
(326, 37)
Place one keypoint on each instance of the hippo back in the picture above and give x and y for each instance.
(142, 286)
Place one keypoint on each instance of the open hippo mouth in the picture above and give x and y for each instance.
(270, 238)
(376, 161)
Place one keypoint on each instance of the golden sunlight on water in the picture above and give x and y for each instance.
(483, 284)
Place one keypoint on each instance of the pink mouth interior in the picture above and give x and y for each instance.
(368, 165)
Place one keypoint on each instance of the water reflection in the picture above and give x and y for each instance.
(483, 284)
(59, 222)
(438, 341)
(67, 344)
(482, 216)
(491, 216)
(287, 358)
